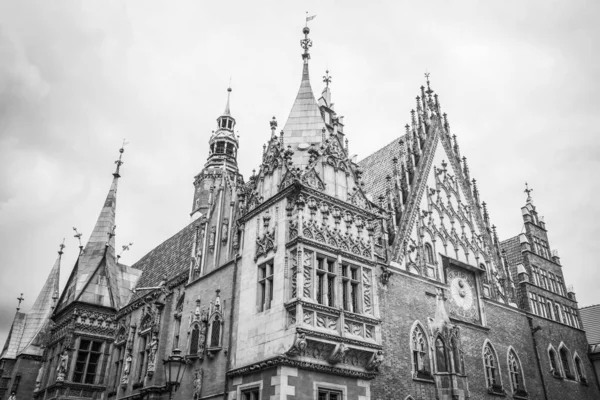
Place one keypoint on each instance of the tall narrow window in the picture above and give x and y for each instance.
(429, 254)
(575, 318)
(553, 363)
(484, 275)
(351, 288)
(491, 366)
(419, 351)
(535, 274)
(88, 357)
(215, 333)
(544, 279)
(564, 359)
(265, 286)
(194, 339)
(141, 361)
(552, 278)
(533, 302)
(456, 356)
(119, 355)
(220, 148)
(542, 306)
(326, 281)
(579, 370)
(561, 285)
(440, 356)
(514, 370)
(557, 313)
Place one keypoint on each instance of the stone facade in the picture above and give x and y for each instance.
(323, 278)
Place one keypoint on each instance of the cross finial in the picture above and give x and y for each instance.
(327, 78)
(77, 235)
(429, 91)
(61, 247)
(20, 298)
(528, 191)
(125, 247)
(119, 162)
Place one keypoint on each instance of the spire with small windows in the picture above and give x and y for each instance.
(223, 143)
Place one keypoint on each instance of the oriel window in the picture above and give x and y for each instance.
(326, 275)
(88, 358)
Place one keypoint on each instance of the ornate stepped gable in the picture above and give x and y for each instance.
(429, 198)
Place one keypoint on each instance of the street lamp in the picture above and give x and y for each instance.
(174, 367)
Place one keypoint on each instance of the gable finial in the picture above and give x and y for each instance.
(528, 191)
(306, 43)
(429, 91)
(20, 298)
(327, 78)
(77, 236)
(61, 247)
(119, 162)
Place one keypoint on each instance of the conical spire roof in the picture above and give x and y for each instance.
(305, 123)
(38, 317)
(96, 277)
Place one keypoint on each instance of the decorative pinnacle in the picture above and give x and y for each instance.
(20, 298)
(528, 191)
(119, 162)
(61, 247)
(273, 124)
(306, 43)
(429, 91)
(327, 78)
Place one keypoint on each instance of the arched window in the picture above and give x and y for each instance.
(429, 254)
(579, 369)
(514, 371)
(440, 356)
(484, 276)
(215, 332)
(194, 339)
(553, 362)
(563, 352)
(491, 367)
(419, 351)
(456, 356)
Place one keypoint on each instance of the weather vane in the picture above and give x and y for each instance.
(125, 247)
(61, 246)
(119, 162)
(327, 78)
(528, 191)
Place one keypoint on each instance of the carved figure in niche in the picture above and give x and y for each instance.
(375, 361)
(197, 259)
(298, 346)
(225, 230)
(338, 353)
(198, 374)
(211, 239)
(126, 369)
(236, 239)
(62, 366)
(152, 349)
(202, 334)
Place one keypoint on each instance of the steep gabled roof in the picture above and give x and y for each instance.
(170, 258)
(11, 346)
(590, 316)
(377, 166)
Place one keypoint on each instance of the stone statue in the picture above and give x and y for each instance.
(225, 230)
(298, 346)
(198, 374)
(153, 348)
(375, 361)
(126, 370)
(211, 239)
(62, 366)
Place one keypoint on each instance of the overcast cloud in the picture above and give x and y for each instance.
(519, 81)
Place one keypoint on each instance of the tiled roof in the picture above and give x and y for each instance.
(513, 250)
(11, 347)
(305, 122)
(171, 258)
(377, 166)
(590, 316)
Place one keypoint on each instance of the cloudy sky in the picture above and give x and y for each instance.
(519, 81)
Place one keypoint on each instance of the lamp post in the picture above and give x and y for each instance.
(174, 367)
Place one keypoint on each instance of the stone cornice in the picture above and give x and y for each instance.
(323, 246)
(337, 338)
(285, 361)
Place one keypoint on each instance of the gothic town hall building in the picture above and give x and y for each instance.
(315, 278)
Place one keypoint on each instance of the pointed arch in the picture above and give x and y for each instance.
(553, 359)
(441, 355)
(564, 354)
(409, 398)
(492, 368)
(579, 370)
(515, 372)
(420, 355)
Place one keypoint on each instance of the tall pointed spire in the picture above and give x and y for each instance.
(305, 123)
(95, 276)
(40, 312)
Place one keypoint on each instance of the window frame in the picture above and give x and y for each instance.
(420, 357)
(493, 383)
(329, 387)
(265, 280)
(98, 364)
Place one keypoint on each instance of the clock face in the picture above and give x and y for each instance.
(463, 296)
(461, 293)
